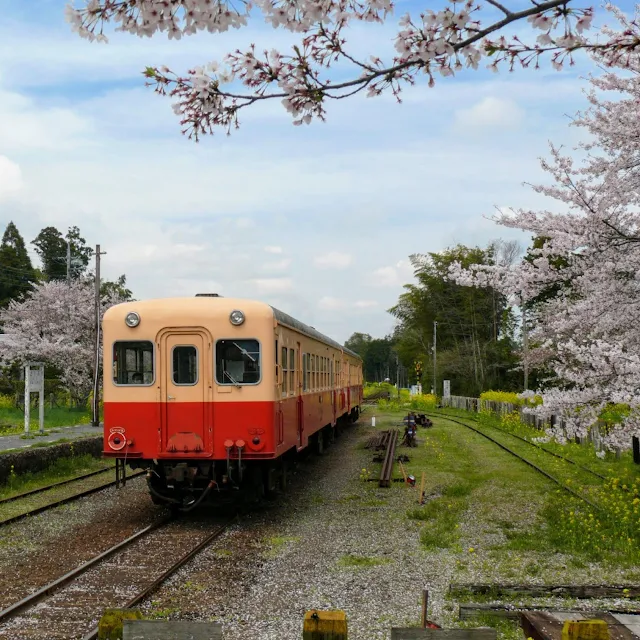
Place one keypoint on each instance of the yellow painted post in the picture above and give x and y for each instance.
(325, 625)
(110, 625)
(585, 630)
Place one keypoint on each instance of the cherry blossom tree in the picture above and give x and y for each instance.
(56, 324)
(442, 41)
(588, 331)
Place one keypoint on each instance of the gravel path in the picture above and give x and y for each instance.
(263, 575)
(334, 541)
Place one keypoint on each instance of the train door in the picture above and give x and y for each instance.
(334, 385)
(299, 400)
(184, 380)
(281, 385)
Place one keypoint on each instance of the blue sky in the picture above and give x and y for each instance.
(318, 220)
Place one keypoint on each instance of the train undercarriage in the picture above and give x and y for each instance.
(184, 485)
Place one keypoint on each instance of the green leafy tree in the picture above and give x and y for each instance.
(476, 349)
(51, 247)
(17, 274)
(117, 289)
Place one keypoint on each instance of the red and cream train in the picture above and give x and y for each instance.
(211, 393)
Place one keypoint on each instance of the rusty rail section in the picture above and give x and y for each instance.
(389, 455)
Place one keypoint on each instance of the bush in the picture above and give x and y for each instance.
(511, 397)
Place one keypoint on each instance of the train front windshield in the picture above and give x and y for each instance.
(237, 362)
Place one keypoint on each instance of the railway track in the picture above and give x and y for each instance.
(54, 485)
(61, 501)
(539, 447)
(70, 607)
(555, 480)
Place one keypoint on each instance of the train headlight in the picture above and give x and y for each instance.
(132, 319)
(236, 317)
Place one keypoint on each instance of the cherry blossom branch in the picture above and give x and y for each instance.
(443, 41)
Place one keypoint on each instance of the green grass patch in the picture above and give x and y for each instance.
(12, 420)
(350, 560)
(61, 469)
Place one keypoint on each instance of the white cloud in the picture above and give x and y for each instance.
(280, 265)
(331, 304)
(180, 218)
(273, 285)
(393, 276)
(333, 260)
(491, 112)
(10, 177)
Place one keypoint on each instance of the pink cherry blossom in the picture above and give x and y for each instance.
(56, 324)
(438, 41)
(588, 332)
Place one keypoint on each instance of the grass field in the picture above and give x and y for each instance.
(496, 520)
(12, 420)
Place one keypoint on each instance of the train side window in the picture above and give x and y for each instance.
(331, 372)
(133, 363)
(185, 365)
(313, 373)
(304, 371)
(237, 362)
(292, 370)
(284, 371)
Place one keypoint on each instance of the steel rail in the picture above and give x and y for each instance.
(62, 501)
(54, 485)
(52, 587)
(528, 462)
(387, 465)
(93, 634)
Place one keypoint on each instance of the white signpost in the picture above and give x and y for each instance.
(446, 388)
(33, 383)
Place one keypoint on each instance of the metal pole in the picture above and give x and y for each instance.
(96, 377)
(27, 397)
(68, 262)
(398, 374)
(435, 336)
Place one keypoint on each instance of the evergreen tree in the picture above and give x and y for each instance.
(16, 271)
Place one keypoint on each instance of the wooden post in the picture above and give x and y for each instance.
(636, 449)
(425, 606)
(585, 630)
(325, 625)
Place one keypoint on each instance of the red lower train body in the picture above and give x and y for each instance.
(197, 450)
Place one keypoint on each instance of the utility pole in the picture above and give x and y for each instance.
(398, 374)
(525, 348)
(96, 376)
(435, 336)
(68, 263)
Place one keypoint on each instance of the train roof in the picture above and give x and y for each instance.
(286, 319)
(198, 303)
